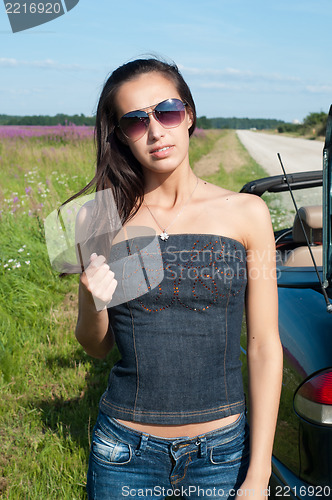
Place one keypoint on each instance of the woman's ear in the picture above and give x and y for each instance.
(190, 116)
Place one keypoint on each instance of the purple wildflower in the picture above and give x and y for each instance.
(54, 132)
(199, 132)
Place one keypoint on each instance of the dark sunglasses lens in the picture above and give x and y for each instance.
(134, 124)
(170, 113)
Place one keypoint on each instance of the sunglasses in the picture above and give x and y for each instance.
(169, 114)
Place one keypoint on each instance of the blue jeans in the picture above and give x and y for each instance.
(125, 463)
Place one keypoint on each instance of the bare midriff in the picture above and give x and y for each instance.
(190, 430)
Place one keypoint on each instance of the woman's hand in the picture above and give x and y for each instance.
(93, 330)
(99, 280)
(253, 490)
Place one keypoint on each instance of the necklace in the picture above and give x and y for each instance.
(164, 235)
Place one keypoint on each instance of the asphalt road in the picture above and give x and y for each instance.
(297, 154)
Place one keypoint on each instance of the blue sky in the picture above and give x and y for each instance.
(244, 58)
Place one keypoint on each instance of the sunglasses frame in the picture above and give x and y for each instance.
(146, 119)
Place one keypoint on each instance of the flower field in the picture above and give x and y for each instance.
(57, 133)
(49, 387)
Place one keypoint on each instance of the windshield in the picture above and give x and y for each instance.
(327, 204)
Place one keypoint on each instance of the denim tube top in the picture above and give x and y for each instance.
(180, 341)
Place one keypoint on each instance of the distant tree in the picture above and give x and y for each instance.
(238, 123)
(289, 127)
(314, 119)
(203, 122)
(58, 119)
(314, 124)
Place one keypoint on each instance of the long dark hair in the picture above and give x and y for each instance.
(117, 168)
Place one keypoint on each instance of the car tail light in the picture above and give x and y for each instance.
(313, 399)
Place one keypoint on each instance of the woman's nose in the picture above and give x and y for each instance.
(155, 129)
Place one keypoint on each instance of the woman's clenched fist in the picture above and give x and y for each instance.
(99, 280)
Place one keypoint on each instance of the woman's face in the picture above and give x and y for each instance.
(144, 92)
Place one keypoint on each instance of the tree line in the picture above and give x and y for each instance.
(238, 123)
(202, 122)
(314, 123)
(59, 119)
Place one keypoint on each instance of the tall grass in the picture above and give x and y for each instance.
(49, 387)
(246, 169)
(43, 372)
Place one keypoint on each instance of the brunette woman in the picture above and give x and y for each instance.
(173, 415)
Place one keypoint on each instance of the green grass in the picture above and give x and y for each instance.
(202, 144)
(235, 178)
(50, 388)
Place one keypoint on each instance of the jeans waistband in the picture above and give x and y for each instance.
(140, 440)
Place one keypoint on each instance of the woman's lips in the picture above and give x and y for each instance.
(162, 152)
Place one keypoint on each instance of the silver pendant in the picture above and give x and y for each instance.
(164, 236)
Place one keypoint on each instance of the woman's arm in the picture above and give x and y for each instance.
(96, 288)
(97, 285)
(264, 351)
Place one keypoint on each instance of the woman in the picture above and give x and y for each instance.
(172, 417)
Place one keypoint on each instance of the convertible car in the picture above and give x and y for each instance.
(302, 456)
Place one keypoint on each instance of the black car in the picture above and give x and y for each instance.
(302, 455)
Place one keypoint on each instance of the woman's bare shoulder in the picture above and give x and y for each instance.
(240, 214)
(252, 215)
(239, 201)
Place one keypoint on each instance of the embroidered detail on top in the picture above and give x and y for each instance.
(215, 268)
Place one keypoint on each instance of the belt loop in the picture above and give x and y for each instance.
(202, 446)
(142, 445)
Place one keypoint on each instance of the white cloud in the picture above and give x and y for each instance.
(219, 85)
(44, 64)
(21, 91)
(319, 89)
(238, 74)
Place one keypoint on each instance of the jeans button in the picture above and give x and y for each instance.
(176, 447)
